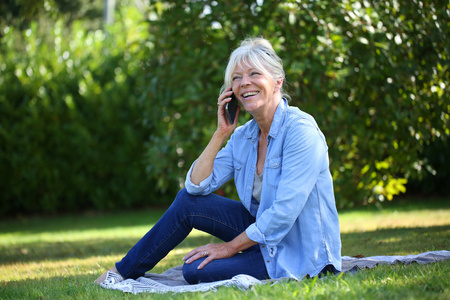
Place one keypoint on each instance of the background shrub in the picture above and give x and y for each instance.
(72, 132)
(107, 119)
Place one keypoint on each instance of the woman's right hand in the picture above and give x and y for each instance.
(224, 127)
(205, 162)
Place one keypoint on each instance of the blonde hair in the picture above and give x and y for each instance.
(258, 53)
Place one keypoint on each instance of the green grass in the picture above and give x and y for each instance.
(60, 257)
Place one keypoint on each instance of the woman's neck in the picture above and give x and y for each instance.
(265, 118)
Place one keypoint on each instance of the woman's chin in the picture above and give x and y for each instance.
(250, 107)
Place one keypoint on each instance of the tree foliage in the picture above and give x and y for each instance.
(374, 75)
(21, 13)
(96, 119)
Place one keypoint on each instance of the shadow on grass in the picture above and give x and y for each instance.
(35, 252)
(396, 241)
(79, 222)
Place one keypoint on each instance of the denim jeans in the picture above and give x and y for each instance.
(221, 217)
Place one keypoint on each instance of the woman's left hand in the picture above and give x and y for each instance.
(211, 251)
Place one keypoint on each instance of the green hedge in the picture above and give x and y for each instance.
(113, 119)
(71, 129)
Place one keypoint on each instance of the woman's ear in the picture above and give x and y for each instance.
(279, 84)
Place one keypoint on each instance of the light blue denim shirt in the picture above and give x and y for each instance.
(297, 224)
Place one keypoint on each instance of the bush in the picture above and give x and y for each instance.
(71, 129)
(373, 74)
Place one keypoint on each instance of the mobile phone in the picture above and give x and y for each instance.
(231, 108)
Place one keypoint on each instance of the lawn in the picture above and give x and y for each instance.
(60, 257)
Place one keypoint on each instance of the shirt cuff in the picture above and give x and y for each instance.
(256, 235)
(196, 189)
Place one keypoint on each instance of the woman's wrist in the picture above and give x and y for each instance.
(220, 137)
(240, 243)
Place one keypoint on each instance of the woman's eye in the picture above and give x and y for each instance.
(236, 78)
(254, 73)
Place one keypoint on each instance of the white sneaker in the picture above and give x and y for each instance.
(111, 279)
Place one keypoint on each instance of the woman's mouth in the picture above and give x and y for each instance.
(249, 94)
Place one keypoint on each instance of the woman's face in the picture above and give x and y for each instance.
(254, 89)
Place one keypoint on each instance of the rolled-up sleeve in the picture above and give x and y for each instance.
(197, 189)
(222, 172)
(255, 234)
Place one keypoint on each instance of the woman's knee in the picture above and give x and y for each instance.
(183, 193)
(191, 273)
(183, 198)
(184, 205)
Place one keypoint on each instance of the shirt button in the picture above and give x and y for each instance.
(263, 246)
(268, 261)
(249, 187)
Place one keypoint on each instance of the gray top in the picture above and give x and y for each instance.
(257, 186)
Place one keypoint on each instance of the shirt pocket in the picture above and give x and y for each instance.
(273, 171)
(237, 164)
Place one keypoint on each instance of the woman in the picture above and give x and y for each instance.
(286, 224)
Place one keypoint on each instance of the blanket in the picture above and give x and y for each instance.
(172, 280)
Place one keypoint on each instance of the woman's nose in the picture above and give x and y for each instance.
(245, 80)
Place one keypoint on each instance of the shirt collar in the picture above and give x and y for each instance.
(275, 128)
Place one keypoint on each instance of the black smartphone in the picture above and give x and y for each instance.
(231, 108)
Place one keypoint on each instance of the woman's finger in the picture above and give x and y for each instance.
(196, 254)
(226, 94)
(205, 262)
(195, 257)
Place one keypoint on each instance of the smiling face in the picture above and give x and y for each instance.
(256, 90)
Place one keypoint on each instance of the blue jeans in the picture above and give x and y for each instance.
(221, 217)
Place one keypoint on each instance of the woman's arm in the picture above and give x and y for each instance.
(204, 165)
